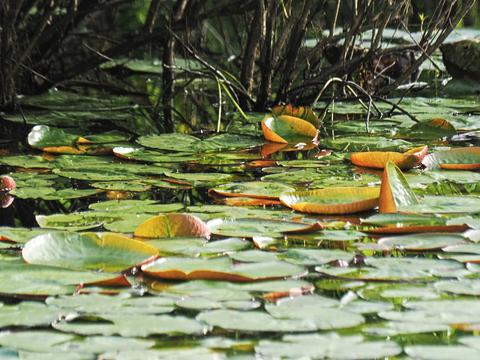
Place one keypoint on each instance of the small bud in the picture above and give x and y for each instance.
(7, 183)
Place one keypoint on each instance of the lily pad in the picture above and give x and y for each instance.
(253, 189)
(109, 252)
(221, 268)
(171, 225)
(340, 200)
(288, 129)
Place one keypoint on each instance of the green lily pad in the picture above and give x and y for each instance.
(134, 326)
(254, 189)
(252, 227)
(76, 251)
(221, 268)
(169, 142)
(326, 346)
(425, 241)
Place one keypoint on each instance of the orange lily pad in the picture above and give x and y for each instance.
(171, 225)
(378, 159)
(301, 112)
(288, 129)
(395, 191)
(339, 200)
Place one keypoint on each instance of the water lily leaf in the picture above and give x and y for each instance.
(27, 161)
(108, 137)
(314, 256)
(424, 241)
(170, 142)
(227, 141)
(134, 325)
(339, 200)
(466, 158)
(444, 205)
(75, 221)
(18, 234)
(110, 252)
(29, 314)
(221, 268)
(95, 174)
(28, 279)
(400, 223)
(340, 235)
(252, 189)
(326, 346)
(288, 129)
(127, 223)
(135, 206)
(442, 352)
(130, 186)
(395, 191)
(300, 112)
(40, 341)
(200, 247)
(107, 304)
(171, 225)
(378, 159)
(394, 328)
(314, 309)
(255, 227)
(197, 353)
(152, 156)
(366, 143)
(461, 287)
(200, 177)
(432, 129)
(253, 321)
(247, 201)
(42, 136)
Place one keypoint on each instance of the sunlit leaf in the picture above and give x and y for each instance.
(253, 189)
(467, 158)
(301, 112)
(221, 268)
(340, 200)
(171, 225)
(288, 129)
(378, 159)
(395, 191)
(110, 252)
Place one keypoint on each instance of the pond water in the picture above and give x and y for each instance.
(240, 275)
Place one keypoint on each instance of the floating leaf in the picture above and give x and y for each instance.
(133, 325)
(442, 352)
(253, 189)
(395, 191)
(288, 129)
(466, 158)
(42, 136)
(378, 159)
(432, 129)
(339, 200)
(171, 225)
(256, 227)
(253, 321)
(110, 252)
(175, 142)
(219, 269)
(300, 112)
(425, 241)
(326, 346)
